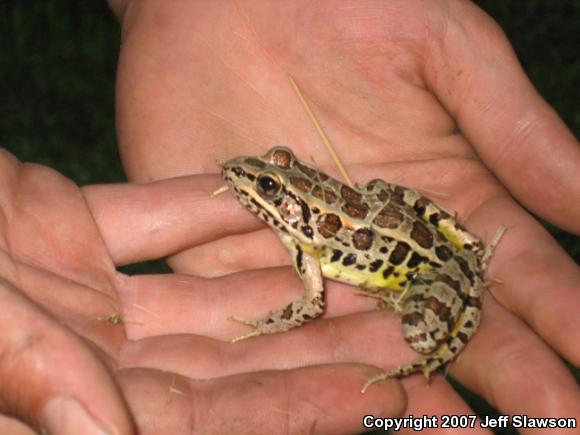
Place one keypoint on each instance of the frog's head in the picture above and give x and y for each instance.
(277, 188)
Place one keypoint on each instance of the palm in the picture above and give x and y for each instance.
(402, 100)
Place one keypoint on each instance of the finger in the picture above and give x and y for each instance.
(306, 400)
(14, 427)
(514, 370)
(477, 77)
(66, 392)
(547, 298)
(42, 213)
(148, 221)
(437, 398)
(204, 306)
(142, 222)
(538, 281)
(372, 337)
(255, 250)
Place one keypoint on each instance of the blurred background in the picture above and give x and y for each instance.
(57, 75)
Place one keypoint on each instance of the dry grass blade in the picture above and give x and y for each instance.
(320, 131)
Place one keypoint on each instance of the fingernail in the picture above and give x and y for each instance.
(65, 416)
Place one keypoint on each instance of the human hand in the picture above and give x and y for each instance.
(426, 95)
(62, 300)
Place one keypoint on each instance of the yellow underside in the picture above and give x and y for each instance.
(396, 281)
(452, 237)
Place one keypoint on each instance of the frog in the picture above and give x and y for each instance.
(391, 242)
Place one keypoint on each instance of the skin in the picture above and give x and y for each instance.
(59, 287)
(424, 94)
(428, 95)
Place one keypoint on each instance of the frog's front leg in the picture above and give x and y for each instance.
(299, 311)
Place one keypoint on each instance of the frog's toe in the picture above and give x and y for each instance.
(253, 333)
(431, 365)
(379, 378)
(254, 324)
(426, 366)
(249, 322)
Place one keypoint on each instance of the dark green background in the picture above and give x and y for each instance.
(57, 73)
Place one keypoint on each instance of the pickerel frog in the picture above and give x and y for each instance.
(390, 241)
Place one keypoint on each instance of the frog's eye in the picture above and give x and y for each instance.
(268, 185)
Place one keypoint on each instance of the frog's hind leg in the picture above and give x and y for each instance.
(437, 321)
(445, 221)
(444, 354)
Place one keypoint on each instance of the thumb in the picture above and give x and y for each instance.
(50, 378)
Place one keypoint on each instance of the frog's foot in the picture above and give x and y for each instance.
(294, 314)
(426, 366)
(254, 324)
